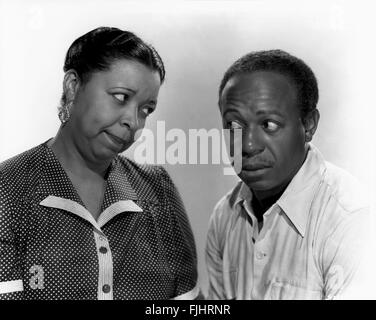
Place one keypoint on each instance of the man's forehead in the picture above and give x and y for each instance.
(259, 84)
(263, 92)
(261, 80)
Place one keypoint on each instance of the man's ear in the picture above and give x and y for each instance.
(71, 84)
(310, 123)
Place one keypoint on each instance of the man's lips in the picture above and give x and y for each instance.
(255, 166)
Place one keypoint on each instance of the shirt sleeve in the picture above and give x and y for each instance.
(344, 263)
(214, 261)
(11, 285)
(184, 260)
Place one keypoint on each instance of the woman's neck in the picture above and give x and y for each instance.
(73, 159)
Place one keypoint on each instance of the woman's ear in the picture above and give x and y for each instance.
(310, 123)
(71, 84)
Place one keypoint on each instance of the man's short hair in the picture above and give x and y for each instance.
(280, 62)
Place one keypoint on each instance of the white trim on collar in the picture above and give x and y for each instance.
(71, 206)
(82, 212)
(116, 208)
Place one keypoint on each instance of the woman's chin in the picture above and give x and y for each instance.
(105, 154)
(109, 148)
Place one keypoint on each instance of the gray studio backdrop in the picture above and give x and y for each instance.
(197, 40)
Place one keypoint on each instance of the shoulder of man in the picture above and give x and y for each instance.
(345, 189)
(342, 206)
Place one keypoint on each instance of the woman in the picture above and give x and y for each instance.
(80, 221)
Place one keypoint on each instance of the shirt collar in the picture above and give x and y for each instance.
(118, 187)
(243, 194)
(298, 196)
(297, 199)
(54, 181)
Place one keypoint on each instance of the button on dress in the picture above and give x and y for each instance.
(141, 246)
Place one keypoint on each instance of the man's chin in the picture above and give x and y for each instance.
(256, 182)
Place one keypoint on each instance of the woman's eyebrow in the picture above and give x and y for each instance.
(126, 88)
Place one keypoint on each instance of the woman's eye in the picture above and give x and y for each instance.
(234, 125)
(120, 97)
(270, 126)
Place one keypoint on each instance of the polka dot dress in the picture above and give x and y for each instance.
(141, 247)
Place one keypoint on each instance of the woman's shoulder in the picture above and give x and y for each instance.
(146, 176)
(146, 171)
(16, 169)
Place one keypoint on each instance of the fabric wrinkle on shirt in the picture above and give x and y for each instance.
(309, 242)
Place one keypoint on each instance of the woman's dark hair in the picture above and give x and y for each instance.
(99, 48)
(284, 63)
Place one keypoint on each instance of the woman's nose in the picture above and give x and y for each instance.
(252, 143)
(130, 117)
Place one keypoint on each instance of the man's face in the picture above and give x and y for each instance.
(264, 105)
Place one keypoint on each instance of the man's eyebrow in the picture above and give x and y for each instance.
(228, 110)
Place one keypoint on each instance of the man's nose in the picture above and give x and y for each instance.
(252, 142)
(130, 117)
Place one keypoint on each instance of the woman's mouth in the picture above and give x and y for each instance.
(115, 140)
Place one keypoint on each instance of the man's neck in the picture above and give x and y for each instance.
(263, 199)
(261, 204)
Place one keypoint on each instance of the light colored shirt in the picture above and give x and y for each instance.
(310, 244)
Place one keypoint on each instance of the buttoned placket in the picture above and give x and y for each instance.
(258, 249)
(105, 276)
(105, 262)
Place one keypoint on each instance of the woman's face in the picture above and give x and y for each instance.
(111, 107)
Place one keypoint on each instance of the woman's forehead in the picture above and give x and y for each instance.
(128, 71)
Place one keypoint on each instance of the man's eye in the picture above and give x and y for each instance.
(147, 110)
(270, 126)
(234, 125)
(120, 97)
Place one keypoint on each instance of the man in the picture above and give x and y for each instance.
(293, 227)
